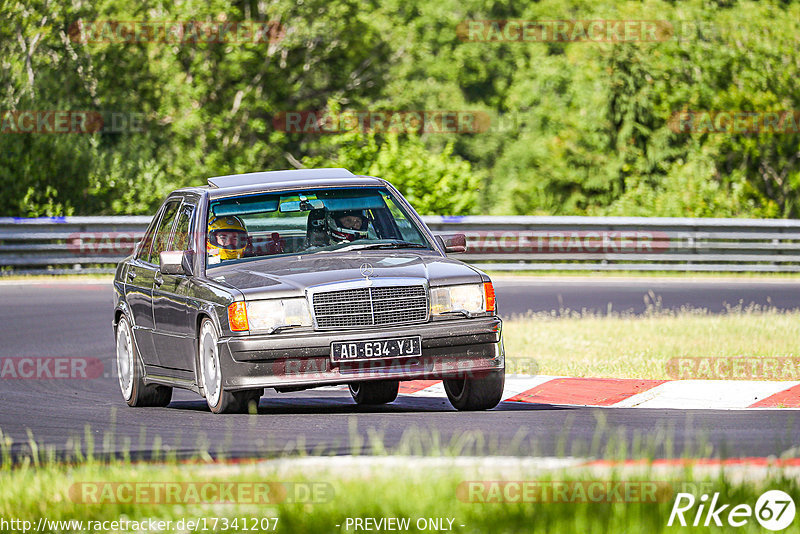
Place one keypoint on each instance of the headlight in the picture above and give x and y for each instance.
(468, 299)
(269, 315)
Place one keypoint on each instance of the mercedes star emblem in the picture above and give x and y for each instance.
(367, 270)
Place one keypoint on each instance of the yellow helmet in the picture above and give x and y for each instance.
(227, 237)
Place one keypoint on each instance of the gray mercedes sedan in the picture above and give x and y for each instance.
(300, 279)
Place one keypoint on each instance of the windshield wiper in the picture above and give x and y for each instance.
(393, 244)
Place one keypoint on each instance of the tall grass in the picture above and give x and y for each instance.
(419, 477)
(409, 489)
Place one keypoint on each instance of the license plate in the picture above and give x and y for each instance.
(397, 347)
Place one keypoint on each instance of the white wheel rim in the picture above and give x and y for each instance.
(125, 359)
(209, 365)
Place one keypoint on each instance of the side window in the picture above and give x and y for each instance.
(161, 238)
(399, 221)
(144, 248)
(182, 239)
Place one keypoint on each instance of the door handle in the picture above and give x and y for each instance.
(131, 275)
(158, 279)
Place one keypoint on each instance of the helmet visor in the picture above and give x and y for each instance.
(351, 220)
(228, 239)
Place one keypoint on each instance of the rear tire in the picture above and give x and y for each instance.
(371, 393)
(479, 393)
(130, 373)
(218, 398)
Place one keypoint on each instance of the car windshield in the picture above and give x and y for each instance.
(308, 222)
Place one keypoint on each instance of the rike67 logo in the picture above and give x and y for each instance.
(774, 510)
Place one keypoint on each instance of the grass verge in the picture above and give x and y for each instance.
(579, 344)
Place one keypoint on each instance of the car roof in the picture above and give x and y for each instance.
(256, 182)
(272, 177)
(269, 181)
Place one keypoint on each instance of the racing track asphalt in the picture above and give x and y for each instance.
(69, 320)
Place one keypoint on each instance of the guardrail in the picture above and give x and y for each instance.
(94, 244)
(62, 245)
(627, 243)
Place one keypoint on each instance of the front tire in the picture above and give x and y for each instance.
(370, 393)
(220, 400)
(479, 393)
(131, 375)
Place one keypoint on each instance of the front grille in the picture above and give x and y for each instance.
(370, 306)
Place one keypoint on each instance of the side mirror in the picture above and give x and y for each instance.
(175, 262)
(453, 242)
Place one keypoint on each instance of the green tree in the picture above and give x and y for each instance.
(434, 183)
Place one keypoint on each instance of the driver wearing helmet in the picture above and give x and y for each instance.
(227, 239)
(345, 226)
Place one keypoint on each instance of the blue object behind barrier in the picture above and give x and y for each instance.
(354, 203)
(243, 208)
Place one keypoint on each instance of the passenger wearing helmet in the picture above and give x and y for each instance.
(347, 225)
(227, 239)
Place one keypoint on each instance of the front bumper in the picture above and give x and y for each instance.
(450, 348)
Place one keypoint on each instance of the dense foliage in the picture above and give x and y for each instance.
(575, 128)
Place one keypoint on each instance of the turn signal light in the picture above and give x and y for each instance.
(488, 291)
(237, 317)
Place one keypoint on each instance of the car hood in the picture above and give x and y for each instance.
(292, 275)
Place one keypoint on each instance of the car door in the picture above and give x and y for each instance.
(146, 267)
(139, 274)
(173, 336)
